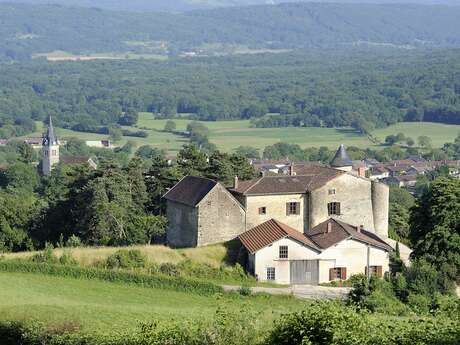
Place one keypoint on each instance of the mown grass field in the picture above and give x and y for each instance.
(228, 135)
(96, 306)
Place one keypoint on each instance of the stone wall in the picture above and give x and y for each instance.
(276, 208)
(355, 197)
(220, 217)
(182, 225)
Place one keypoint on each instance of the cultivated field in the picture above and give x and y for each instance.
(98, 306)
(228, 135)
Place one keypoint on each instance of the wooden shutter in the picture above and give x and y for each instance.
(379, 272)
(338, 208)
(331, 274)
(343, 272)
(297, 208)
(365, 270)
(287, 209)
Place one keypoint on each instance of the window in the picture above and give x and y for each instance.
(332, 191)
(283, 252)
(292, 208)
(333, 208)
(374, 271)
(338, 273)
(271, 273)
(262, 210)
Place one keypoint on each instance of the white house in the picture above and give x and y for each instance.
(329, 251)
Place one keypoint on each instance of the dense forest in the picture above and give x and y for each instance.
(29, 29)
(331, 90)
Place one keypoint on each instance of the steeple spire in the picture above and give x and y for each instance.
(50, 137)
(50, 149)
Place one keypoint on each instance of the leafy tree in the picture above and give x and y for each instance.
(191, 161)
(424, 141)
(247, 151)
(170, 126)
(129, 118)
(115, 134)
(20, 176)
(435, 226)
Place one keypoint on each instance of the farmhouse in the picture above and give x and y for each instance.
(331, 250)
(330, 220)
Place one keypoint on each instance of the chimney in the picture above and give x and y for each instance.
(329, 228)
(362, 171)
(235, 182)
(291, 170)
(360, 228)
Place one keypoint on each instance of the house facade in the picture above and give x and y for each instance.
(331, 251)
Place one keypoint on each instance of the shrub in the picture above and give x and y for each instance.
(46, 256)
(446, 305)
(169, 269)
(331, 323)
(67, 259)
(245, 291)
(127, 259)
(73, 242)
(420, 304)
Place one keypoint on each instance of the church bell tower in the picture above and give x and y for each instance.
(50, 149)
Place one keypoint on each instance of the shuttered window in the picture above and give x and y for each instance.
(292, 208)
(338, 273)
(375, 271)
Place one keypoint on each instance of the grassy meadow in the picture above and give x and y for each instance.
(97, 306)
(213, 255)
(228, 135)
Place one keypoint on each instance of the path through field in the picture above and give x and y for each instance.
(301, 291)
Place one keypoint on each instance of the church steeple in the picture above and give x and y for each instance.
(50, 149)
(50, 138)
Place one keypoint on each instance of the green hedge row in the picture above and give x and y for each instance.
(141, 279)
(332, 323)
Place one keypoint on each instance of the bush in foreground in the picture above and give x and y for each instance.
(331, 323)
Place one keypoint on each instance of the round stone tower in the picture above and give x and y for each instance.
(380, 206)
(341, 161)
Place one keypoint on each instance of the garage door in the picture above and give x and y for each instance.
(305, 272)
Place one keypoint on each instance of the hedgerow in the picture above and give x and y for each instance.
(142, 279)
(332, 323)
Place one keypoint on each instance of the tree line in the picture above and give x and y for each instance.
(363, 91)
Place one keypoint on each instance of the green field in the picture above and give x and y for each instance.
(228, 135)
(103, 307)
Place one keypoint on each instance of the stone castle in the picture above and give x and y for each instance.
(202, 211)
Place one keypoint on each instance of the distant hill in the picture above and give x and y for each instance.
(187, 5)
(29, 29)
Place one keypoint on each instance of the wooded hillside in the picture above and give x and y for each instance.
(30, 29)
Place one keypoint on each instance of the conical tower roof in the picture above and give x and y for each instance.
(50, 138)
(341, 158)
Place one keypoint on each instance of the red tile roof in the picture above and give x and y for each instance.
(317, 238)
(341, 231)
(271, 231)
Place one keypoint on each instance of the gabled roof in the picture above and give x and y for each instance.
(271, 231)
(190, 190)
(317, 238)
(341, 231)
(341, 158)
(310, 179)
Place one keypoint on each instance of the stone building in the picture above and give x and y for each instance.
(201, 211)
(50, 149)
